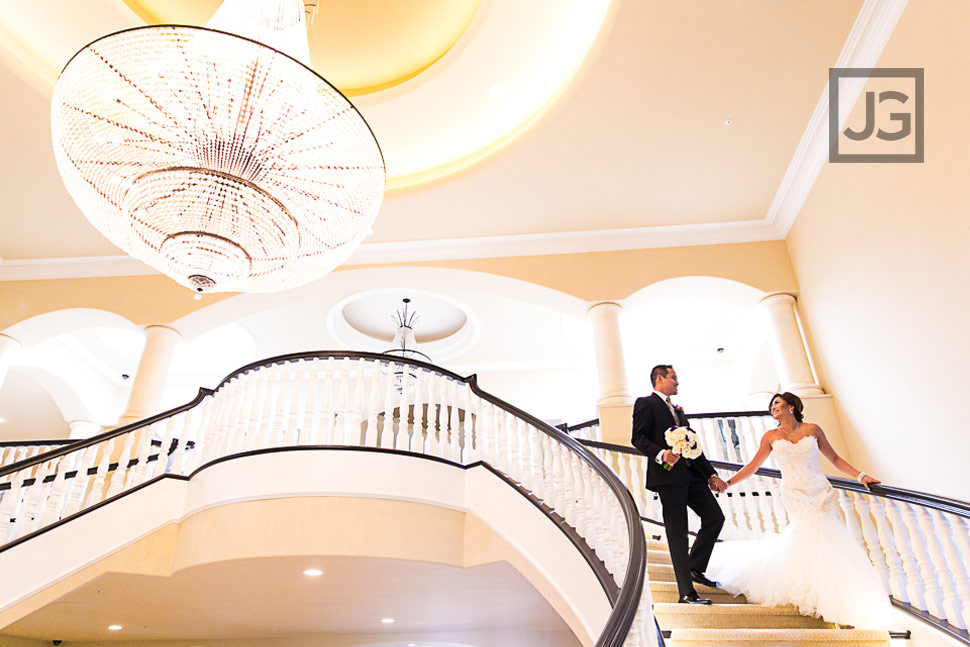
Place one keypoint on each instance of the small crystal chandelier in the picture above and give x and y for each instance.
(404, 346)
(215, 154)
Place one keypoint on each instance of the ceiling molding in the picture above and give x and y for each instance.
(872, 29)
(83, 267)
(573, 242)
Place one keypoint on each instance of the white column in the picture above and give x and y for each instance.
(610, 368)
(84, 429)
(787, 347)
(146, 392)
(9, 347)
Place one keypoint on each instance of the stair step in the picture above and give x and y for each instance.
(667, 592)
(672, 615)
(658, 556)
(778, 638)
(661, 572)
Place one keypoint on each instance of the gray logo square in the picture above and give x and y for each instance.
(904, 125)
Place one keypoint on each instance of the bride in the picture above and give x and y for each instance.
(814, 564)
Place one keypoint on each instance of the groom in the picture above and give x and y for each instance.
(688, 483)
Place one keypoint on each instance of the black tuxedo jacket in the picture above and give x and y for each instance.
(651, 418)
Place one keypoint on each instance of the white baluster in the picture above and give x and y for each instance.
(896, 581)
(387, 429)
(437, 414)
(373, 386)
(949, 602)
(56, 497)
(10, 505)
(454, 427)
(296, 387)
(915, 591)
(340, 405)
(870, 534)
(429, 415)
(404, 409)
(34, 498)
(327, 414)
(120, 473)
(354, 415)
(416, 441)
(920, 544)
(97, 487)
(956, 542)
(79, 485)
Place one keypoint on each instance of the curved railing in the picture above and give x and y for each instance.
(358, 400)
(15, 451)
(918, 543)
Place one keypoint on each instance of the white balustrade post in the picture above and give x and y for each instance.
(956, 543)
(387, 428)
(951, 607)
(373, 382)
(149, 382)
(871, 535)
(787, 347)
(896, 580)
(915, 594)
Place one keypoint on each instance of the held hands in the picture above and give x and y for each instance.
(716, 484)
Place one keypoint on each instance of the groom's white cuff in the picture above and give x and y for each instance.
(660, 456)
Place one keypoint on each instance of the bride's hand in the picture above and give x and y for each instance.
(868, 480)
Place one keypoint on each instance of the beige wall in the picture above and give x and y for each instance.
(882, 255)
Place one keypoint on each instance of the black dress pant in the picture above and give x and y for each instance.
(699, 498)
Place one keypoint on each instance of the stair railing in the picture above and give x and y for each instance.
(14, 451)
(918, 543)
(359, 400)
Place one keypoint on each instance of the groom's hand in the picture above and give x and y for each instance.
(671, 457)
(716, 484)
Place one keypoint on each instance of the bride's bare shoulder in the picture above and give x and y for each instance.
(770, 436)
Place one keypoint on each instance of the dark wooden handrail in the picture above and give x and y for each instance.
(715, 414)
(944, 504)
(27, 443)
(624, 610)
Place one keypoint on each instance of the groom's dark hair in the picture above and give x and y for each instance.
(657, 372)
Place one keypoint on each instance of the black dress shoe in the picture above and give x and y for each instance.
(700, 578)
(693, 598)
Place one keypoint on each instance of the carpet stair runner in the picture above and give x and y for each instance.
(733, 622)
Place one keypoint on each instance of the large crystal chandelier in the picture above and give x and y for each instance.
(216, 155)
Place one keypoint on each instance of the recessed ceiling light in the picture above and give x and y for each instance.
(2, 420)
(387, 621)
(728, 122)
(497, 89)
(313, 572)
(114, 627)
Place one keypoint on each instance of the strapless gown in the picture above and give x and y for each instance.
(814, 564)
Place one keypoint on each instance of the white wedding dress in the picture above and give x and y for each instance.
(814, 564)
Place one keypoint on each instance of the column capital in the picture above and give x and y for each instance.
(162, 329)
(778, 297)
(604, 305)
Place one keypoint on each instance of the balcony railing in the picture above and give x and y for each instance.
(351, 400)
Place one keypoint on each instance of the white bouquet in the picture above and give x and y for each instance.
(683, 441)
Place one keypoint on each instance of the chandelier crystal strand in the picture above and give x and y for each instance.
(219, 159)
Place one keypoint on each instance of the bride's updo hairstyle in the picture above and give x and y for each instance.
(794, 401)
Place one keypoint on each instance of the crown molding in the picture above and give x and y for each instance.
(574, 242)
(82, 267)
(873, 26)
